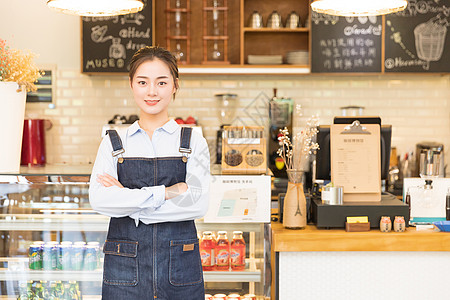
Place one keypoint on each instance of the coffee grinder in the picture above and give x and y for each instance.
(227, 110)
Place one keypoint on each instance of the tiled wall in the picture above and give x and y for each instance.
(417, 106)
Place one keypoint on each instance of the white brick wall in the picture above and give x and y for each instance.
(417, 106)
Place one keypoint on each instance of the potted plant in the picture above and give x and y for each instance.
(18, 72)
(295, 155)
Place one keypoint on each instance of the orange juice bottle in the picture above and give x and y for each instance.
(207, 251)
(237, 252)
(222, 252)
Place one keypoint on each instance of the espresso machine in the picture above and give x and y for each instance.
(280, 116)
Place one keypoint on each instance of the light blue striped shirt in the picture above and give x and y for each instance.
(147, 204)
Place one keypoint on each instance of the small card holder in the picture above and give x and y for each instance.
(357, 227)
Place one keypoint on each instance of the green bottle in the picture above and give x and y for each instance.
(38, 291)
(66, 295)
(30, 291)
(23, 291)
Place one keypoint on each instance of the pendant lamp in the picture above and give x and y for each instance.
(97, 8)
(350, 8)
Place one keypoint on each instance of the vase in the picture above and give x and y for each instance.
(12, 111)
(294, 210)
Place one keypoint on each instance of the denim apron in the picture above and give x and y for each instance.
(155, 261)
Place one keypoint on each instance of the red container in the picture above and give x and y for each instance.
(33, 141)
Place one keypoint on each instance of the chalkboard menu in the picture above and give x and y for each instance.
(416, 39)
(110, 42)
(345, 44)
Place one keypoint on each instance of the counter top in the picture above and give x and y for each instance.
(313, 239)
(51, 170)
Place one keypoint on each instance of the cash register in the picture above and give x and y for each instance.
(333, 216)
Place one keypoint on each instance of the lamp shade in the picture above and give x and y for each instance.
(349, 8)
(96, 7)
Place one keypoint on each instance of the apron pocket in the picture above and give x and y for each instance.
(121, 263)
(185, 267)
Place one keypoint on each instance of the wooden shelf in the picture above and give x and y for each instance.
(183, 10)
(177, 37)
(300, 29)
(244, 69)
(219, 8)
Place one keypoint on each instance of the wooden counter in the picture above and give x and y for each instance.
(337, 257)
(313, 239)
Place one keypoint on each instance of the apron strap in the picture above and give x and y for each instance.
(116, 142)
(185, 140)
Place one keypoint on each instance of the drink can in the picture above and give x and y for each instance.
(39, 242)
(97, 248)
(234, 297)
(77, 257)
(64, 257)
(208, 297)
(35, 257)
(79, 243)
(66, 243)
(90, 258)
(220, 297)
(249, 297)
(49, 257)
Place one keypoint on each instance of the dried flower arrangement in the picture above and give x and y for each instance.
(17, 66)
(295, 154)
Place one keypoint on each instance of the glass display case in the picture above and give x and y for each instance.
(51, 240)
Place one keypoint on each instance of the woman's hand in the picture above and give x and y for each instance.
(107, 180)
(176, 190)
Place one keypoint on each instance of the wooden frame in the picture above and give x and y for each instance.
(222, 38)
(187, 37)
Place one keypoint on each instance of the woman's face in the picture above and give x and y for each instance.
(153, 87)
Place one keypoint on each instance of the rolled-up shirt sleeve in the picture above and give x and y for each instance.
(193, 203)
(115, 201)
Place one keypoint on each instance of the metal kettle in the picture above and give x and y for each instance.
(256, 20)
(274, 20)
(293, 20)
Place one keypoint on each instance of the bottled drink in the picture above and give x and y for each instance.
(74, 291)
(38, 291)
(207, 251)
(66, 295)
(222, 252)
(23, 291)
(237, 252)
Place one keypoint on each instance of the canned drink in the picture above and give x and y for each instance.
(79, 243)
(77, 257)
(35, 257)
(234, 297)
(66, 243)
(64, 257)
(249, 297)
(39, 242)
(49, 257)
(208, 297)
(220, 297)
(90, 258)
(97, 248)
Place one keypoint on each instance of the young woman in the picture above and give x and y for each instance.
(152, 179)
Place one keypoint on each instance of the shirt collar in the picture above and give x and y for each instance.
(170, 127)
